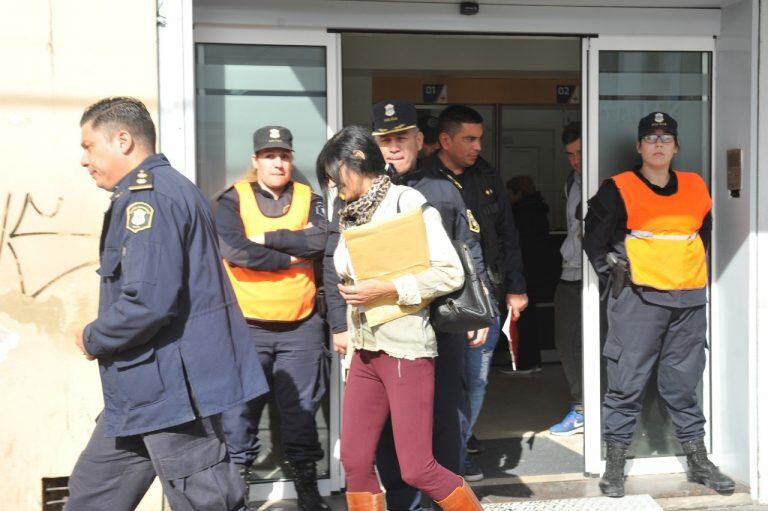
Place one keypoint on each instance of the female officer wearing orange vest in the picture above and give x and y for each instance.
(271, 231)
(646, 235)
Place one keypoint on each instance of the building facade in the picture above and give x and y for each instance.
(210, 70)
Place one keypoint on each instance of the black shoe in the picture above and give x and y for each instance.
(245, 473)
(702, 471)
(305, 482)
(472, 472)
(612, 483)
(474, 446)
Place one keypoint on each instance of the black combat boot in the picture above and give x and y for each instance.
(612, 483)
(305, 481)
(702, 471)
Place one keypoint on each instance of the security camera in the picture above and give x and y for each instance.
(469, 8)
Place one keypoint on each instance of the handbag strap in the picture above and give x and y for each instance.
(423, 206)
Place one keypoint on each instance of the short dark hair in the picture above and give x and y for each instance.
(454, 116)
(571, 132)
(340, 150)
(125, 113)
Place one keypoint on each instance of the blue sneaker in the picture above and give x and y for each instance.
(572, 423)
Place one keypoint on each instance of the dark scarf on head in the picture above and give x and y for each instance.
(360, 211)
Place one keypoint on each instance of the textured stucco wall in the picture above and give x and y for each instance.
(58, 56)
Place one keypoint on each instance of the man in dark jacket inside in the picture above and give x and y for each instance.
(460, 131)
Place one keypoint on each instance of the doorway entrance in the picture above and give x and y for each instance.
(526, 89)
(320, 80)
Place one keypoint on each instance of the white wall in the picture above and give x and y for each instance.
(373, 15)
(59, 57)
(733, 316)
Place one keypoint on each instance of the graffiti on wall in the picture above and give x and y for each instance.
(55, 235)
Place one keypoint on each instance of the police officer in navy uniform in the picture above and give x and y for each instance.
(172, 347)
(400, 140)
(646, 235)
(460, 131)
(272, 229)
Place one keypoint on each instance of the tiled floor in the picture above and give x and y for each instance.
(523, 463)
(671, 492)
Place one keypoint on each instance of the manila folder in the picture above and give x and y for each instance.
(387, 249)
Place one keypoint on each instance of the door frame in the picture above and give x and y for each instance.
(277, 490)
(593, 462)
(177, 130)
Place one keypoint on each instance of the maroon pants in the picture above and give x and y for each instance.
(379, 386)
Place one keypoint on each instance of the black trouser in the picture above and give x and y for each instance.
(529, 352)
(640, 334)
(568, 337)
(296, 363)
(450, 423)
(190, 460)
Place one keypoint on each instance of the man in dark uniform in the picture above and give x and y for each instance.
(646, 235)
(400, 140)
(271, 230)
(460, 131)
(172, 346)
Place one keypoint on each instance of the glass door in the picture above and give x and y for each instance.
(627, 79)
(245, 79)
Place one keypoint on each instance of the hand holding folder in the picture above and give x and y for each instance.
(385, 250)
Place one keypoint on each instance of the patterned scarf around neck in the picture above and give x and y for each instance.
(360, 211)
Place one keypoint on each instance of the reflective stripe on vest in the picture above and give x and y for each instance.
(663, 247)
(281, 295)
(647, 234)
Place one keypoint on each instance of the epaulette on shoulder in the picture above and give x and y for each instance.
(142, 181)
(216, 196)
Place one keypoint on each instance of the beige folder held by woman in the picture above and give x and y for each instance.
(385, 250)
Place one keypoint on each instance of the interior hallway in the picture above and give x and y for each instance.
(513, 426)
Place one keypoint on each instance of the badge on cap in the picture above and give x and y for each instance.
(274, 133)
(138, 217)
(659, 117)
(473, 225)
(389, 109)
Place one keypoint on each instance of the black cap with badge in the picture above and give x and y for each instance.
(393, 115)
(270, 137)
(656, 121)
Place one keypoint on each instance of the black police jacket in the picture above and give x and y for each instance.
(171, 341)
(485, 196)
(445, 196)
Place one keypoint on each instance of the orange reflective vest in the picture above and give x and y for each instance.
(663, 245)
(282, 295)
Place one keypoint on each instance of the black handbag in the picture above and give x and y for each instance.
(468, 308)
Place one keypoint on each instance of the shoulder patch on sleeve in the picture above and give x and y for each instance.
(142, 181)
(473, 225)
(138, 216)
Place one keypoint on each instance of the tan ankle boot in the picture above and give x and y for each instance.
(461, 499)
(365, 501)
